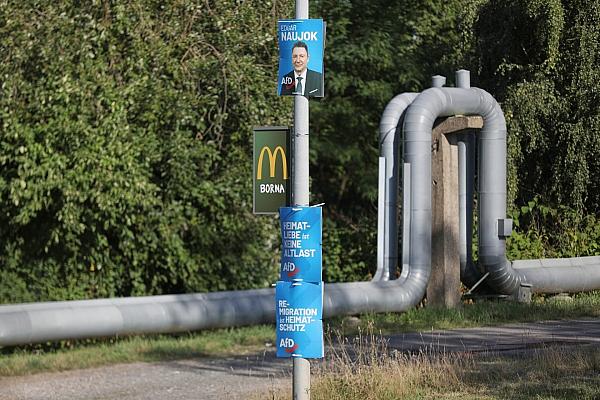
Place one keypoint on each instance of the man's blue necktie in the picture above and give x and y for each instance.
(299, 85)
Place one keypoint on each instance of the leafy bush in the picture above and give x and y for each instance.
(125, 147)
(546, 232)
(540, 59)
(349, 252)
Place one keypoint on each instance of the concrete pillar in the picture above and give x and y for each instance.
(443, 289)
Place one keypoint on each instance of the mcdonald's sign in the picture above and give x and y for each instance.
(271, 169)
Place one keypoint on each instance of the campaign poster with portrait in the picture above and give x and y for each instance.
(301, 44)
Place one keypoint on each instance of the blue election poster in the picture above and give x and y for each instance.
(301, 43)
(299, 313)
(301, 244)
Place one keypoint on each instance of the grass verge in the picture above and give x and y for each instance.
(67, 355)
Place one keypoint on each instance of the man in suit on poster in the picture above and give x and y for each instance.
(301, 80)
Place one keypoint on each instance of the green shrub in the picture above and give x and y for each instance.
(349, 251)
(552, 232)
(125, 147)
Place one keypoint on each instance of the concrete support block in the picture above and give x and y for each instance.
(524, 292)
(443, 289)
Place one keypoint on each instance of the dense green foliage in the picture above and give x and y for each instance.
(540, 58)
(125, 146)
(547, 232)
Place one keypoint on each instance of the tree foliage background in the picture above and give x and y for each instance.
(541, 60)
(125, 146)
(125, 132)
(543, 64)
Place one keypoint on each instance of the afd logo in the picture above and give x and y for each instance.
(290, 268)
(288, 345)
(272, 162)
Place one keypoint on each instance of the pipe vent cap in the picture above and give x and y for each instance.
(438, 81)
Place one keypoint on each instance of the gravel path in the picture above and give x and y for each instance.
(205, 379)
(240, 377)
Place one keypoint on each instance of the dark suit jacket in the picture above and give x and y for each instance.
(313, 85)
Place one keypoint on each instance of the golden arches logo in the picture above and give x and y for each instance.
(272, 160)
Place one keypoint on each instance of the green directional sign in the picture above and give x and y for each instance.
(272, 172)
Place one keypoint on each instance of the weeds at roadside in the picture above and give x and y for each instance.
(364, 368)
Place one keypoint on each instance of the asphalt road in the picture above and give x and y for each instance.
(238, 378)
(511, 338)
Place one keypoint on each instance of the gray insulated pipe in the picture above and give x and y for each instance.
(390, 128)
(546, 276)
(41, 322)
(469, 274)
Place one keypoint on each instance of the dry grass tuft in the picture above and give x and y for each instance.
(364, 368)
